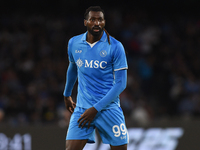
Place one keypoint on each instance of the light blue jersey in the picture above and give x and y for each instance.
(96, 66)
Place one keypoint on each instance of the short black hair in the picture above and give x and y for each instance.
(93, 8)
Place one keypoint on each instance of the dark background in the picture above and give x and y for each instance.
(66, 8)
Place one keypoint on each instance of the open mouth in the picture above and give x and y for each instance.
(96, 29)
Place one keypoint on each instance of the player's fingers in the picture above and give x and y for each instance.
(80, 118)
(81, 122)
(74, 105)
(84, 124)
(71, 110)
(89, 124)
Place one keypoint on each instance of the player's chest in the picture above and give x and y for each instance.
(99, 56)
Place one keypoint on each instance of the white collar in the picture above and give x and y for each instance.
(91, 45)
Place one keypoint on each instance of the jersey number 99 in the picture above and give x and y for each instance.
(118, 130)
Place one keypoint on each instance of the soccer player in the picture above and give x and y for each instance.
(99, 62)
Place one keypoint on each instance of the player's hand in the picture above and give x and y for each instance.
(69, 104)
(87, 116)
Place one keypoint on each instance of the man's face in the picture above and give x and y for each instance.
(95, 23)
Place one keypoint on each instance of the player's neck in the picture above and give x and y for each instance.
(91, 39)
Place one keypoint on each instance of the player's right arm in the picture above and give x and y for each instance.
(71, 78)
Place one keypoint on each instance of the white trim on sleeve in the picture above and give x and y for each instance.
(121, 69)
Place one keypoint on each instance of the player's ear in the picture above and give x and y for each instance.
(85, 22)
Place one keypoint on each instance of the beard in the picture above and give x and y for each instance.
(95, 33)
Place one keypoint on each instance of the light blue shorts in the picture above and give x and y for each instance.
(110, 124)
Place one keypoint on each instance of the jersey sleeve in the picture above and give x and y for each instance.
(70, 56)
(119, 58)
(118, 87)
(71, 78)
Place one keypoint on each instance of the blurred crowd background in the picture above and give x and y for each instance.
(161, 39)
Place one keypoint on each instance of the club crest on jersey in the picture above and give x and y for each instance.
(103, 53)
(79, 62)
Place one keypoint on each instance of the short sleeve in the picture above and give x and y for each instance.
(119, 58)
(70, 56)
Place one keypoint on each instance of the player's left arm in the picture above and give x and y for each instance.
(120, 67)
(116, 90)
